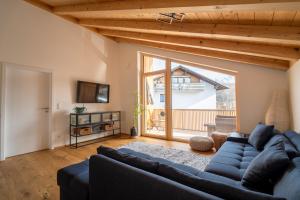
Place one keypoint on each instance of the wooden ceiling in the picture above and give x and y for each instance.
(259, 32)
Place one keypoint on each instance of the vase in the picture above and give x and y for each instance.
(133, 132)
(278, 112)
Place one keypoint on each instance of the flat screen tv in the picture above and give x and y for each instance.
(88, 92)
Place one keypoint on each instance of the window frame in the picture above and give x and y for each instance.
(168, 89)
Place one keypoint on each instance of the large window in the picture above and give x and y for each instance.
(183, 100)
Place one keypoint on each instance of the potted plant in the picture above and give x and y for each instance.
(79, 109)
(138, 110)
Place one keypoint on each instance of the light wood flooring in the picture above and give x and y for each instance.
(33, 176)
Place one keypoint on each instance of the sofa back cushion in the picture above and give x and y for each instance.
(265, 168)
(289, 147)
(260, 136)
(288, 185)
(217, 188)
(114, 180)
(294, 138)
(141, 163)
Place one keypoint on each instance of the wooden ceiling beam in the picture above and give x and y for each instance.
(262, 50)
(267, 34)
(46, 7)
(167, 6)
(259, 61)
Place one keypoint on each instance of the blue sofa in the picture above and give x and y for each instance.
(106, 176)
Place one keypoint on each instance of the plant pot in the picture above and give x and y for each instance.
(79, 110)
(133, 132)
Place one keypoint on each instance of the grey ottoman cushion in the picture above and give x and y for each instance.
(201, 143)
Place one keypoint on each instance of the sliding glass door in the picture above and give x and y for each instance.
(182, 100)
(154, 115)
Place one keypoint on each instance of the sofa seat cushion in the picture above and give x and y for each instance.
(220, 179)
(160, 160)
(75, 178)
(232, 160)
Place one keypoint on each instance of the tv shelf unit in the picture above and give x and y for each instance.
(103, 124)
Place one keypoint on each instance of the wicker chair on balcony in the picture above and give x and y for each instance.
(220, 130)
(224, 124)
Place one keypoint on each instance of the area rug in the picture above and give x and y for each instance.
(175, 155)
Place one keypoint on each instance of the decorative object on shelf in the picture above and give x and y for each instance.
(106, 117)
(83, 119)
(101, 123)
(138, 110)
(116, 124)
(79, 110)
(95, 118)
(170, 17)
(278, 112)
(85, 131)
(108, 127)
(115, 116)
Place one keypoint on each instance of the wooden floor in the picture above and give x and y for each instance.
(33, 176)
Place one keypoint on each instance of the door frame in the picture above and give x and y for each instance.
(168, 91)
(3, 79)
(143, 76)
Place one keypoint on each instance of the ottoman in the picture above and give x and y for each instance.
(200, 143)
(74, 181)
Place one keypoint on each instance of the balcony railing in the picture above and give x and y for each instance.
(187, 119)
(180, 86)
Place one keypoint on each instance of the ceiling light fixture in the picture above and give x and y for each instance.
(170, 17)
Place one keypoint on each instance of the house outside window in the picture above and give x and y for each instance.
(162, 98)
(181, 79)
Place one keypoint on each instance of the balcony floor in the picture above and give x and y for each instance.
(179, 133)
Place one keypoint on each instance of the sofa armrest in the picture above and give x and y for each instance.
(237, 139)
(110, 180)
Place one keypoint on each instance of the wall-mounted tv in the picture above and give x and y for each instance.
(88, 92)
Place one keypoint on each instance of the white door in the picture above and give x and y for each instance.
(27, 111)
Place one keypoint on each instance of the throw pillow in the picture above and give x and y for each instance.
(265, 168)
(141, 163)
(260, 136)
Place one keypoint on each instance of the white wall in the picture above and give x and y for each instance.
(294, 81)
(255, 84)
(33, 37)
